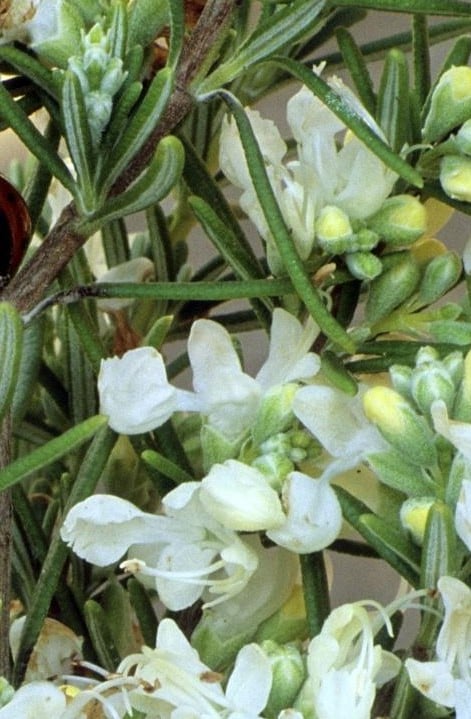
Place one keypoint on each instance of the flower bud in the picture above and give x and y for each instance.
(288, 673)
(455, 177)
(413, 516)
(431, 381)
(463, 137)
(274, 467)
(451, 103)
(365, 239)
(393, 287)
(6, 692)
(401, 377)
(401, 220)
(333, 230)
(400, 425)
(363, 265)
(440, 275)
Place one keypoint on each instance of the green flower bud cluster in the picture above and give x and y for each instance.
(430, 379)
(405, 278)
(399, 222)
(282, 453)
(101, 76)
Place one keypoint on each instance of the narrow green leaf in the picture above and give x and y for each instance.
(115, 243)
(143, 610)
(30, 67)
(439, 554)
(36, 191)
(28, 370)
(222, 238)
(80, 375)
(391, 544)
(166, 467)
(334, 371)
(358, 69)
(84, 485)
(140, 126)
(393, 469)
(421, 56)
(429, 7)
(118, 29)
(404, 557)
(119, 119)
(87, 334)
(177, 32)
(50, 452)
(150, 187)
(280, 232)
(38, 145)
(282, 28)
(11, 340)
(100, 635)
(79, 139)
(393, 114)
(356, 124)
(236, 249)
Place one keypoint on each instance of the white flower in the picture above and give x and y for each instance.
(345, 666)
(447, 680)
(229, 397)
(306, 518)
(352, 178)
(463, 513)
(135, 393)
(313, 515)
(184, 555)
(172, 676)
(339, 423)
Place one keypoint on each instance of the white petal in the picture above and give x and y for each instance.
(250, 681)
(37, 700)
(230, 397)
(433, 679)
(231, 155)
(337, 421)
(101, 528)
(240, 498)
(289, 357)
(463, 513)
(314, 517)
(134, 391)
(179, 592)
(458, 433)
